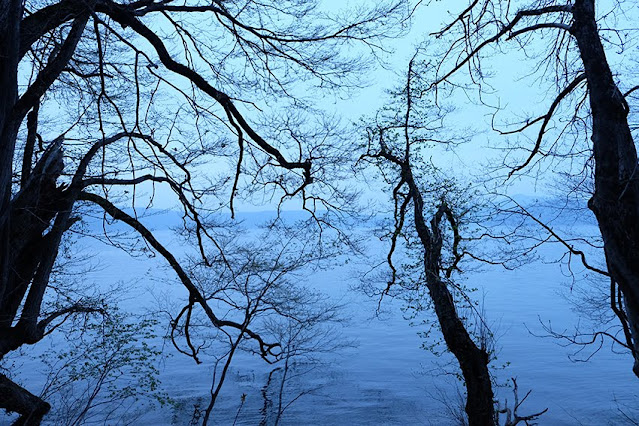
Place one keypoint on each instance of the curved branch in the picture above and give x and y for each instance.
(556, 25)
(125, 18)
(51, 71)
(505, 30)
(629, 92)
(261, 33)
(266, 349)
(570, 248)
(400, 216)
(73, 309)
(573, 84)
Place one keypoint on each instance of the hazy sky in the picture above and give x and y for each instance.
(513, 89)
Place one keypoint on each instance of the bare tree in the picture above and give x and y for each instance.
(438, 229)
(427, 217)
(102, 100)
(569, 46)
(513, 417)
(263, 290)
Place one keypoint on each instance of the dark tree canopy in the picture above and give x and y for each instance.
(102, 100)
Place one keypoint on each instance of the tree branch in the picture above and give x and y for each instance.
(505, 30)
(125, 18)
(51, 71)
(546, 119)
(541, 25)
(266, 349)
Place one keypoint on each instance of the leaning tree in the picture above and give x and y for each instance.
(569, 46)
(437, 229)
(102, 100)
(429, 225)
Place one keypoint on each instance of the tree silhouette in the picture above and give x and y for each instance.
(102, 100)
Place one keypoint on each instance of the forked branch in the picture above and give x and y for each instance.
(267, 350)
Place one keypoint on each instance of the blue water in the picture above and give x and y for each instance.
(381, 375)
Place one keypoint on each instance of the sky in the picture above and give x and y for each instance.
(389, 73)
(513, 89)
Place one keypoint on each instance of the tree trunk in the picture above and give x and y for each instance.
(616, 198)
(472, 360)
(17, 399)
(10, 16)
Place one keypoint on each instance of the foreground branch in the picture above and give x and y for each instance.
(267, 350)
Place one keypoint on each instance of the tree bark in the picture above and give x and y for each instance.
(32, 211)
(10, 16)
(615, 202)
(473, 360)
(17, 399)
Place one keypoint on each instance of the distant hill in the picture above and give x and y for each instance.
(552, 211)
